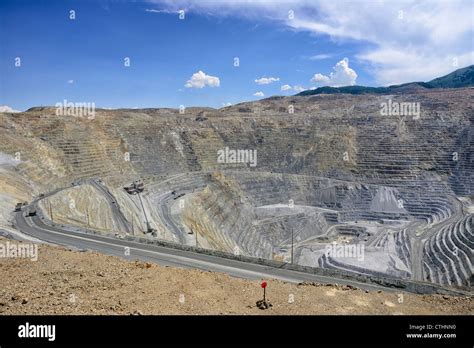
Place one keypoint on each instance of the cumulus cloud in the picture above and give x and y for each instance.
(6, 108)
(259, 94)
(420, 34)
(201, 80)
(320, 79)
(342, 75)
(266, 80)
(285, 87)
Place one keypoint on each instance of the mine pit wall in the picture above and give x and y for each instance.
(36, 162)
(448, 256)
(300, 144)
(132, 211)
(327, 262)
(193, 146)
(313, 143)
(78, 205)
(414, 157)
(222, 216)
(13, 189)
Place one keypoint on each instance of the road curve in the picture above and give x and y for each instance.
(120, 217)
(34, 226)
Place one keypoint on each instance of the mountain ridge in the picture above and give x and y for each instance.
(459, 78)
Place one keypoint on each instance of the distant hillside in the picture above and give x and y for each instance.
(459, 78)
(347, 89)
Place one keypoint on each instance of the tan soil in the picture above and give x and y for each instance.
(63, 281)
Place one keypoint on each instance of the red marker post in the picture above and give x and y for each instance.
(263, 304)
(264, 285)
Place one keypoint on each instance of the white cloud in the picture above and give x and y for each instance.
(226, 104)
(266, 80)
(259, 94)
(319, 78)
(201, 80)
(425, 36)
(342, 75)
(294, 88)
(394, 73)
(299, 88)
(160, 11)
(70, 81)
(416, 44)
(320, 56)
(5, 108)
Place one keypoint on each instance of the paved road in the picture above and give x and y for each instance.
(165, 216)
(165, 200)
(117, 213)
(35, 227)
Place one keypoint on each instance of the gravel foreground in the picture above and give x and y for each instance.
(63, 281)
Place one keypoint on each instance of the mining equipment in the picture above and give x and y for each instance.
(18, 206)
(135, 187)
(31, 212)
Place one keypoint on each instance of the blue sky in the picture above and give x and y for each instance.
(82, 60)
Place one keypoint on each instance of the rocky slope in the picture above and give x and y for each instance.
(328, 169)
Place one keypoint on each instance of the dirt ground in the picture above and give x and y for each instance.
(63, 281)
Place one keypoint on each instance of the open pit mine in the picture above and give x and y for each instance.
(329, 181)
